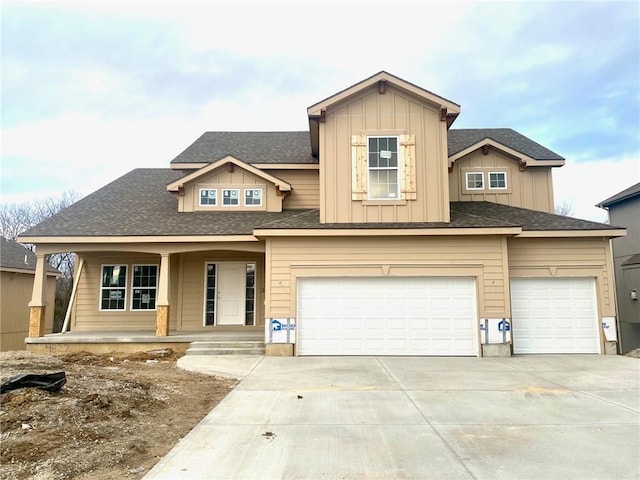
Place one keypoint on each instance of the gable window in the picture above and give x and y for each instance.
(144, 287)
(230, 196)
(475, 180)
(113, 287)
(382, 154)
(253, 197)
(208, 196)
(497, 180)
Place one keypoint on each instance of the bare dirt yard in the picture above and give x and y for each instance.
(116, 416)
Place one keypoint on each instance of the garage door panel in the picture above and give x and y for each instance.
(554, 315)
(387, 316)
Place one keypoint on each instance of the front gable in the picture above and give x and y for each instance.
(229, 185)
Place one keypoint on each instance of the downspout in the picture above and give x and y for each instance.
(72, 299)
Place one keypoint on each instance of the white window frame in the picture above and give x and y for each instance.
(466, 181)
(253, 190)
(497, 173)
(155, 287)
(230, 190)
(214, 204)
(124, 288)
(397, 168)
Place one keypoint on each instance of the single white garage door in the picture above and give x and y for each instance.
(387, 316)
(554, 315)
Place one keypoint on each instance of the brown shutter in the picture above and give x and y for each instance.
(358, 167)
(407, 163)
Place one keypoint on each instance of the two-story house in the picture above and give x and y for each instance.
(380, 231)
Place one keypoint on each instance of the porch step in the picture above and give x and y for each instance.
(246, 347)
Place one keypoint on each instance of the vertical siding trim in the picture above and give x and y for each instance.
(505, 277)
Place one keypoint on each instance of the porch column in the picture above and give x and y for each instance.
(162, 314)
(37, 305)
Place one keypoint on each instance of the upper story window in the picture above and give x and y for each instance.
(382, 154)
(113, 287)
(253, 198)
(208, 196)
(230, 196)
(497, 180)
(475, 180)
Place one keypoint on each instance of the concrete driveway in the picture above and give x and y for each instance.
(527, 417)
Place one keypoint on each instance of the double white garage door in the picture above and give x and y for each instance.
(387, 316)
(438, 316)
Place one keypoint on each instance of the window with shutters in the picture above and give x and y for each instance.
(383, 167)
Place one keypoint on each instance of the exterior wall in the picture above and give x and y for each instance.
(86, 315)
(566, 257)
(190, 290)
(531, 188)
(221, 178)
(15, 290)
(627, 214)
(306, 188)
(392, 113)
(481, 257)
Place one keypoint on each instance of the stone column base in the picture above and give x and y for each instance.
(162, 321)
(36, 321)
(496, 350)
(279, 349)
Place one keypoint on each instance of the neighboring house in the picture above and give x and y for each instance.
(624, 209)
(17, 271)
(380, 231)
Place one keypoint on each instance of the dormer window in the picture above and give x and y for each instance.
(383, 168)
(230, 197)
(497, 180)
(208, 197)
(475, 180)
(253, 198)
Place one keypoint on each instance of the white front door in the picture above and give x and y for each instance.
(231, 293)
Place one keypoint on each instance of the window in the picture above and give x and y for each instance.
(253, 197)
(144, 287)
(208, 196)
(382, 155)
(497, 180)
(210, 306)
(113, 287)
(230, 196)
(250, 295)
(475, 180)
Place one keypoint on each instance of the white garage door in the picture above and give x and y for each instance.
(387, 316)
(554, 315)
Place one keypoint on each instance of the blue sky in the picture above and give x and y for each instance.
(91, 89)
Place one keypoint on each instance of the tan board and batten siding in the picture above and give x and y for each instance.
(395, 112)
(531, 188)
(187, 276)
(566, 257)
(16, 293)
(483, 258)
(306, 188)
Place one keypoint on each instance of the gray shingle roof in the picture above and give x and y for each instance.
(138, 204)
(463, 215)
(459, 139)
(16, 255)
(295, 147)
(250, 147)
(632, 260)
(632, 191)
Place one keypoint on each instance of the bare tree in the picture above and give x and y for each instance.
(15, 218)
(565, 209)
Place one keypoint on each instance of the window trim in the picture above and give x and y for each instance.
(223, 205)
(504, 173)
(397, 169)
(466, 181)
(251, 190)
(133, 266)
(125, 288)
(200, 204)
